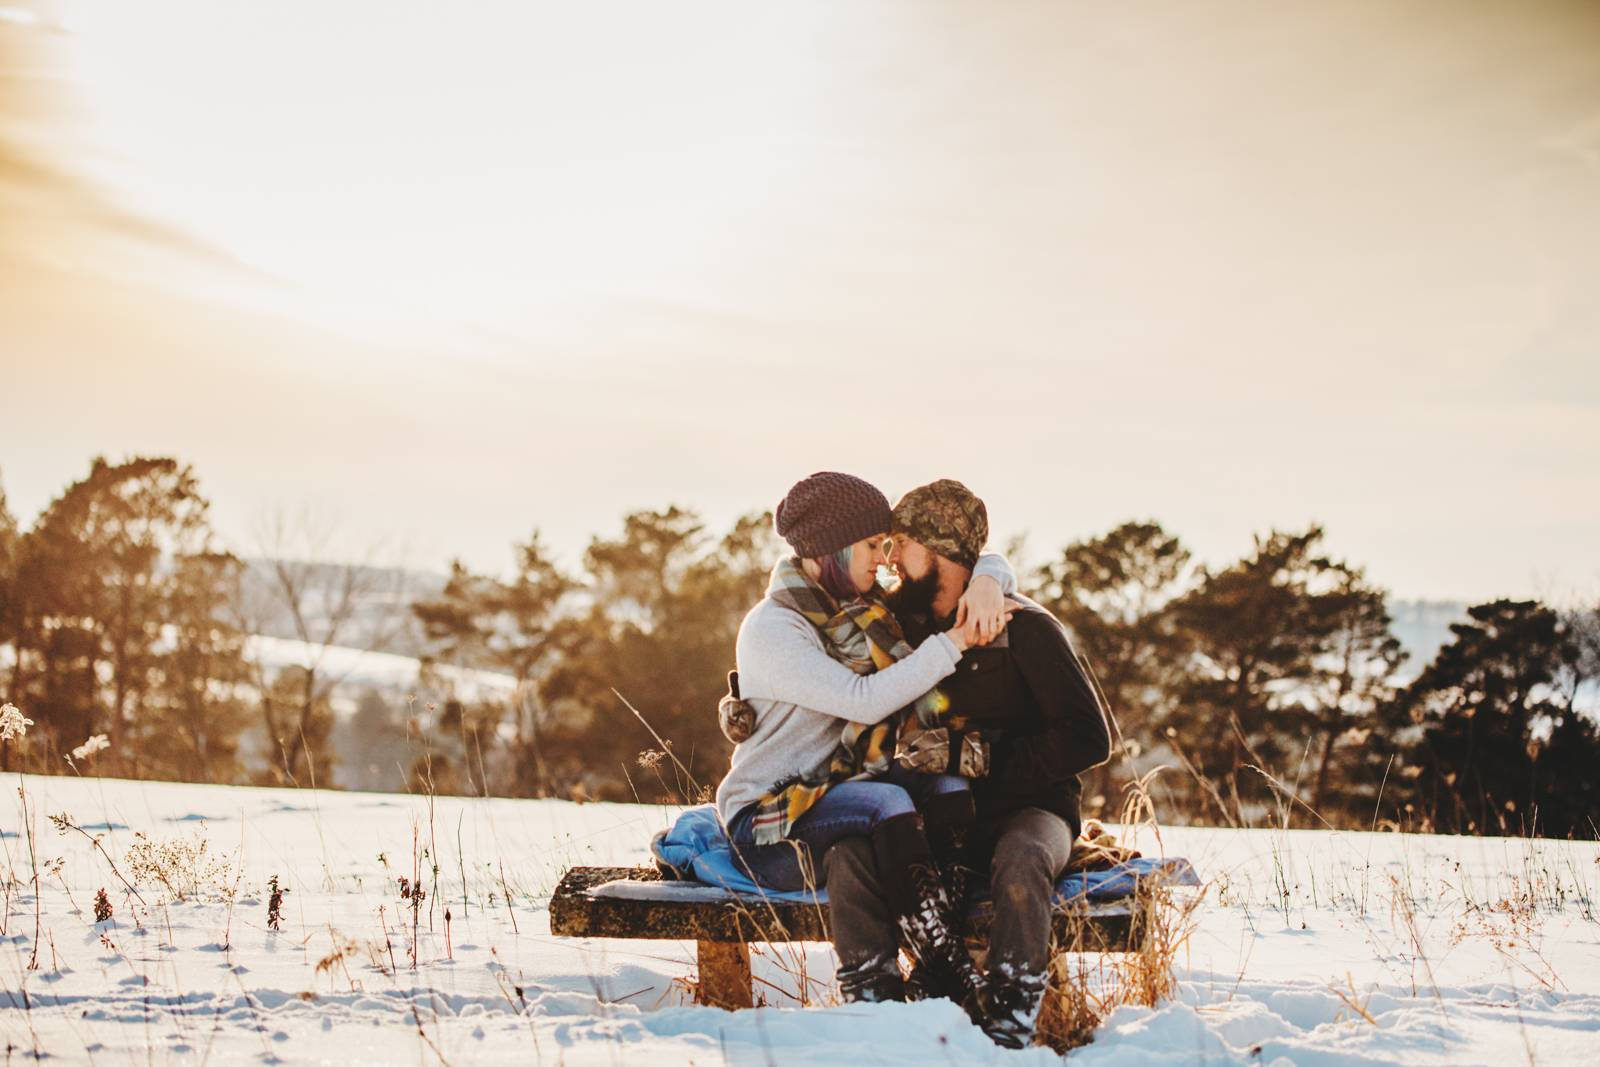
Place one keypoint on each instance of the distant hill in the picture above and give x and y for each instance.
(380, 602)
(1423, 627)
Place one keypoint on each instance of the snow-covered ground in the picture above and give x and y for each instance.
(353, 668)
(1312, 947)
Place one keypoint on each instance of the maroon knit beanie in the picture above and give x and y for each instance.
(830, 511)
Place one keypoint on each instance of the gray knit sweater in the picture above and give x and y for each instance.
(802, 695)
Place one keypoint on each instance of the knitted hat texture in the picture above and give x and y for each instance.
(829, 511)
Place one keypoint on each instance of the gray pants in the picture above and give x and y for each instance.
(1031, 847)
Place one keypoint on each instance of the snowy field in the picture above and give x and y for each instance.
(1312, 947)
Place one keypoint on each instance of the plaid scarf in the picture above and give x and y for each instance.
(863, 635)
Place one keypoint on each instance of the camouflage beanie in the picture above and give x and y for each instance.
(945, 517)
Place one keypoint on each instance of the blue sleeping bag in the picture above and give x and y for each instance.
(696, 846)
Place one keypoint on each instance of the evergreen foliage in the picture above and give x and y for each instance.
(1269, 685)
(1500, 749)
(112, 614)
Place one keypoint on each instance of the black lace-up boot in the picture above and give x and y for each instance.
(948, 819)
(937, 948)
(923, 911)
(932, 979)
(1013, 997)
(872, 981)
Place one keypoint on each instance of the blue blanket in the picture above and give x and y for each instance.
(696, 845)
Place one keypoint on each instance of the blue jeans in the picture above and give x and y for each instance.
(849, 809)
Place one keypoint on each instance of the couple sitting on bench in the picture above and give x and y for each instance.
(893, 746)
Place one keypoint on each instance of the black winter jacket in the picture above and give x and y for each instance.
(1031, 697)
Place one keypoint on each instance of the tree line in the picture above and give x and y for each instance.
(1272, 686)
(1269, 689)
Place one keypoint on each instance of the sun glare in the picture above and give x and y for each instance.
(395, 166)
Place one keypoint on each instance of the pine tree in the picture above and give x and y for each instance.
(197, 706)
(1113, 592)
(1501, 747)
(1351, 681)
(10, 613)
(665, 612)
(9, 538)
(98, 576)
(512, 627)
(1286, 648)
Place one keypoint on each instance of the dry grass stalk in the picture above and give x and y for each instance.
(63, 822)
(1352, 1000)
(688, 985)
(275, 894)
(1139, 808)
(1069, 1014)
(1087, 984)
(1166, 922)
(343, 948)
(184, 867)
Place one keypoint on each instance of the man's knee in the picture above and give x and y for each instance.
(1015, 861)
(1020, 879)
(1033, 848)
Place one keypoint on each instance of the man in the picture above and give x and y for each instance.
(1029, 698)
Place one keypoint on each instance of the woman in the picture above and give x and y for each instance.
(821, 647)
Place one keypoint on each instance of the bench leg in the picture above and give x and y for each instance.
(724, 974)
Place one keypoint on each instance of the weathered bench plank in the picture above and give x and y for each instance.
(575, 912)
(722, 929)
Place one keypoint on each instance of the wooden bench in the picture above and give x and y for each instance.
(635, 903)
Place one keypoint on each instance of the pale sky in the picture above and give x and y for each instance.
(448, 274)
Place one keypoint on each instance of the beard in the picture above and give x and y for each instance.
(915, 596)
